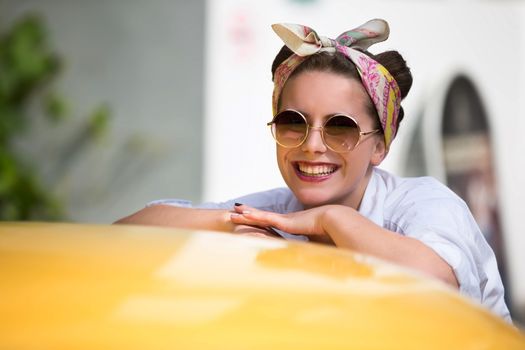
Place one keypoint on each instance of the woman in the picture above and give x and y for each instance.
(337, 108)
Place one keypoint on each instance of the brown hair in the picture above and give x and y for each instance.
(340, 64)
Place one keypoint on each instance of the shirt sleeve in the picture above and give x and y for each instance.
(446, 225)
(279, 200)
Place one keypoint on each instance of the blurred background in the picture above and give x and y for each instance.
(107, 105)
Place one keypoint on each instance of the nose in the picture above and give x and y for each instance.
(314, 141)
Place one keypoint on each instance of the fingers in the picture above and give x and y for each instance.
(250, 216)
(241, 208)
(305, 222)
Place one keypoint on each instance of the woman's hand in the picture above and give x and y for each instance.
(306, 222)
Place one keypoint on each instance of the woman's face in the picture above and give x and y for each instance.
(314, 173)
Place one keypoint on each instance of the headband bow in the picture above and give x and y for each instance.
(378, 82)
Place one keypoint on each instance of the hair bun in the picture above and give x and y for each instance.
(397, 66)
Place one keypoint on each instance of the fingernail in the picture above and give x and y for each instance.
(238, 204)
(246, 212)
(234, 215)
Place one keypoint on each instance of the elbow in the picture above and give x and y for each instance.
(122, 221)
(444, 272)
(138, 218)
(449, 280)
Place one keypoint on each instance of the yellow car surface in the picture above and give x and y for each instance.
(74, 286)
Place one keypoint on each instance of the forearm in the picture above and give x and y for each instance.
(165, 215)
(349, 229)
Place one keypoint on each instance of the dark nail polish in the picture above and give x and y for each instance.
(238, 204)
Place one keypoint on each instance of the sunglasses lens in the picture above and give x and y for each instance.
(341, 133)
(289, 128)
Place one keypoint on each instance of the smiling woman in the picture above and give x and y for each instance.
(337, 109)
(315, 174)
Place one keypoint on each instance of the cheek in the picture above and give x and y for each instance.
(281, 157)
(358, 160)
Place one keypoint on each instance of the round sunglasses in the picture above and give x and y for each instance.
(340, 132)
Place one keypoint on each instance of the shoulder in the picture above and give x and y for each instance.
(421, 203)
(424, 190)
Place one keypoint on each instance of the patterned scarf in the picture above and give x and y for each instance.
(378, 82)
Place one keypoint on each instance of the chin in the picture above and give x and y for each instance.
(314, 198)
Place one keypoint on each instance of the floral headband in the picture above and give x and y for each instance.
(378, 82)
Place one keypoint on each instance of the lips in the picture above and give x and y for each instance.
(314, 171)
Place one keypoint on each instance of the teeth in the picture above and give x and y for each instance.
(316, 170)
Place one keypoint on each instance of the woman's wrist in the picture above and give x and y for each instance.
(224, 221)
(339, 222)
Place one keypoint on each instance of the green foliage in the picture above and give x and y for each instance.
(28, 67)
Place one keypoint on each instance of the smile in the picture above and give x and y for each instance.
(315, 170)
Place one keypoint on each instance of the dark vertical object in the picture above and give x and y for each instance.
(469, 165)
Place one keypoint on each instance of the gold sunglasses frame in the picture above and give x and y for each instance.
(362, 134)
